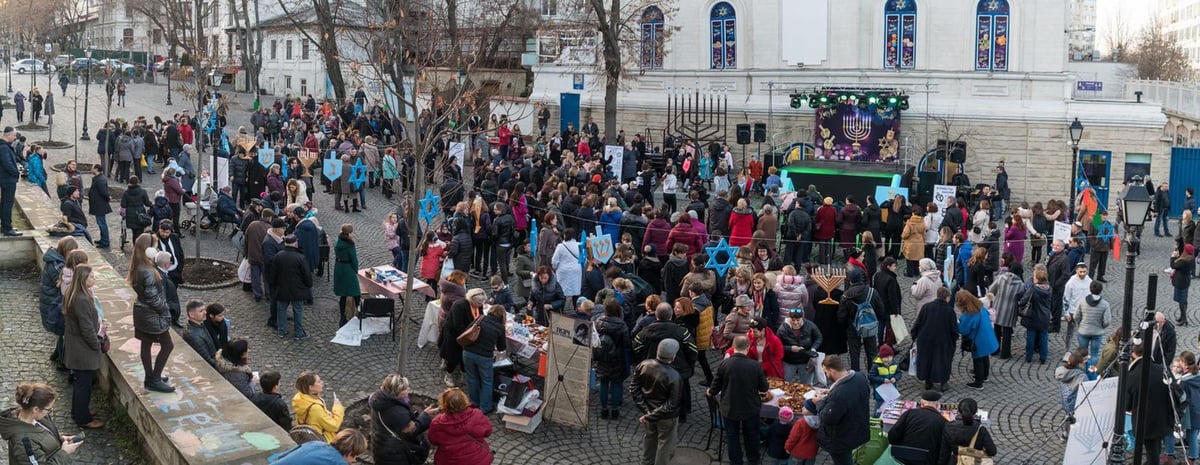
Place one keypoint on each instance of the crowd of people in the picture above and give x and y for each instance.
(659, 309)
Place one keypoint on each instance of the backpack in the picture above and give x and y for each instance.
(866, 324)
(641, 287)
(607, 351)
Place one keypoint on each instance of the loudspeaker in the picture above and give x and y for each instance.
(958, 152)
(760, 132)
(743, 133)
(940, 153)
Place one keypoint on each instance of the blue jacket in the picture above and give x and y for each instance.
(881, 372)
(36, 170)
(960, 262)
(978, 328)
(9, 173)
(309, 238)
(309, 453)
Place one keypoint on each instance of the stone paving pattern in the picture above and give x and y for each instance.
(1022, 398)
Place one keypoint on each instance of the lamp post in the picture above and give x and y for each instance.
(33, 76)
(87, 90)
(1076, 131)
(8, 49)
(167, 68)
(1135, 209)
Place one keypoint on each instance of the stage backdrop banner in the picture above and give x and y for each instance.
(1093, 423)
(846, 132)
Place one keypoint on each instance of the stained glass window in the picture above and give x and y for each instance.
(900, 34)
(723, 22)
(991, 35)
(652, 38)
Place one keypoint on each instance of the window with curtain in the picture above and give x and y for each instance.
(992, 35)
(723, 22)
(900, 34)
(652, 38)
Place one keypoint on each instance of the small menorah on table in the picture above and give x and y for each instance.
(829, 278)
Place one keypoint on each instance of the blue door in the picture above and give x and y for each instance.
(1185, 173)
(1095, 166)
(568, 110)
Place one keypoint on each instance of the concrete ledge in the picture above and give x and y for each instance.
(206, 420)
(17, 252)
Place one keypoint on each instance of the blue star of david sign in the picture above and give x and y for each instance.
(358, 174)
(429, 206)
(332, 167)
(533, 234)
(721, 267)
(266, 155)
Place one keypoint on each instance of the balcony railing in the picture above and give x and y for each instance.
(1177, 98)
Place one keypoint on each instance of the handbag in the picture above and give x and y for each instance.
(717, 337)
(969, 455)
(471, 334)
(416, 451)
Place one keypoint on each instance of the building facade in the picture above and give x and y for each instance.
(991, 73)
(1182, 20)
(1081, 31)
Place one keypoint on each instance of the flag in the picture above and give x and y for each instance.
(1116, 247)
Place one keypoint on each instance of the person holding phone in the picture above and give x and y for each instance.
(29, 431)
(310, 407)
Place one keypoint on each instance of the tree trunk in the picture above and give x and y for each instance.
(329, 47)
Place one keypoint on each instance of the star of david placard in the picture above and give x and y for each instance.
(721, 266)
(332, 167)
(358, 174)
(429, 206)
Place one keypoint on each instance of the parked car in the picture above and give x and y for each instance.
(80, 64)
(62, 60)
(30, 65)
(166, 65)
(115, 64)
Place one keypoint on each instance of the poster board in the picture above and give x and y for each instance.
(569, 362)
(944, 195)
(614, 155)
(458, 151)
(1093, 426)
(1062, 231)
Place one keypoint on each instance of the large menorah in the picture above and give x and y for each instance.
(829, 278)
(697, 115)
(857, 126)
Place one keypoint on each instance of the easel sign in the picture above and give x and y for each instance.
(569, 363)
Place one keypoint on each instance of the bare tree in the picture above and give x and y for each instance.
(617, 23)
(1118, 35)
(1159, 57)
(182, 24)
(328, 18)
(251, 56)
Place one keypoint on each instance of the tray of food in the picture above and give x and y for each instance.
(793, 393)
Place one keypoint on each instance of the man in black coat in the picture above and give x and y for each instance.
(935, 333)
(290, 281)
(197, 336)
(663, 328)
(1164, 342)
(798, 227)
(168, 241)
(1158, 406)
(916, 437)
(738, 385)
(9, 174)
(271, 403)
(99, 204)
(657, 390)
(73, 211)
(888, 288)
(844, 411)
(1059, 269)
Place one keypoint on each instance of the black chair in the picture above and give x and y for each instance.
(378, 307)
(717, 424)
(907, 455)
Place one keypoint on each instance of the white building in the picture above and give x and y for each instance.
(1081, 31)
(1182, 20)
(991, 73)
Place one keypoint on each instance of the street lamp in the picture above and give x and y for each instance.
(167, 68)
(1076, 130)
(87, 89)
(1135, 210)
(8, 49)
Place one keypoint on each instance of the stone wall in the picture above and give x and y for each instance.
(206, 420)
(16, 252)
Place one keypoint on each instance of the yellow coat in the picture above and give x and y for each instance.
(912, 239)
(704, 329)
(311, 411)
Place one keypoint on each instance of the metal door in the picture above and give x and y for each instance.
(1095, 165)
(568, 110)
(1185, 173)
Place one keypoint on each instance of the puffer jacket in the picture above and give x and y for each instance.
(47, 446)
(549, 293)
(1093, 315)
(393, 415)
(791, 293)
(238, 168)
(310, 410)
(237, 375)
(461, 249)
(616, 328)
(461, 438)
(151, 314)
(51, 296)
(808, 337)
(449, 293)
(125, 148)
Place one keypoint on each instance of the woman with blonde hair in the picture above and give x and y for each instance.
(310, 407)
(82, 341)
(151, 313)
(395, 426)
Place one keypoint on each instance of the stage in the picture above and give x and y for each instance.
(838, 179)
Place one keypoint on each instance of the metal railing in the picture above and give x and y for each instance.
(1178, 98)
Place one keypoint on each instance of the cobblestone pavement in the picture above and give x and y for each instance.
(1023, 399)
(24, 348)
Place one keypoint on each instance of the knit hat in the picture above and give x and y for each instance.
(743, 301)
(786, 415)
(886, 351)
(667, 349)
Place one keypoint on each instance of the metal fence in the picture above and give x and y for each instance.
(1182, 99)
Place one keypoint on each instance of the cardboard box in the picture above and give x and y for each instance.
(523, 423)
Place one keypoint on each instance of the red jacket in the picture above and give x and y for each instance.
(431, 262)
(825, 223)
(461, 438)
(772, 359)
(657, 233)
(684, 233)
(741, 228)
(802, 441)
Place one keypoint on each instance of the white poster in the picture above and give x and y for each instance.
(944, 195)
(458, 151)
(615, 155)
(1062, 232)
(1093, 423)
(222, 172)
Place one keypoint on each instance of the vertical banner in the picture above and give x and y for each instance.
(570, 360)
(1093, 423)
(458, 151)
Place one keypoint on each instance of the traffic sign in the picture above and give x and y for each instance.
(1093, 86)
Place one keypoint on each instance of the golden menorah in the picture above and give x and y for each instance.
(829, 278)
(857, 126)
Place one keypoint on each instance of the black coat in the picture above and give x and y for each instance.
(645, 345)
(98, 197)
(848, 307)
(957, 434)
(920, 428)
(392, 415)
(845, 414)
(737, 384)
(1164, 351)
(656, 390)
(460, 250)
(201, 341)
(888, 289)
(935, 333)
(616, 328)
(276, 409)
(457, 321)
(74, 212)
(290, 276)
(177, 256)
(1159, 400)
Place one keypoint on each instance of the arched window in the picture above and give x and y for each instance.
(991, 35)
(652, 38)
(900, 34)
(723, 22)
